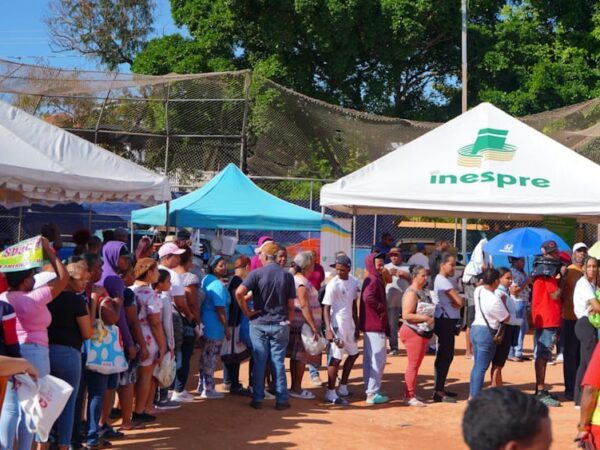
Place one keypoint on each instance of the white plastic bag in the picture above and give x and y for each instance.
(165, 371)
(313, 347)
(42, 401)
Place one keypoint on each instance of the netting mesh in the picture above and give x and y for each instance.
(191, 126)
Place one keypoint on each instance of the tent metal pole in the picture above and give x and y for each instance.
(374, 230)
(463, 238)
(167, 219)
(20, 224)
(354, 240)
(130, 236)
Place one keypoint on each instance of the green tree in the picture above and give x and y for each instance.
(113, 31)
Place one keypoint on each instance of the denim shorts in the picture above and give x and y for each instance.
(545, 340)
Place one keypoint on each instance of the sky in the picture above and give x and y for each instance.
(24, 37)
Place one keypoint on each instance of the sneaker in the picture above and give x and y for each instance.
(337, 401)
(226, 388)
(316, 381)
(282, 406)
(344, 392)
(415, 402)
(211, 394)
(115, 413)
(256, 405)
(445, 399)
(182, 397)
(143, 417)
(393, 352)
(377, 399)
(241, 391)
(547, 399)
(168, 404)
(108, 432)
(269, 396)
(560, 358)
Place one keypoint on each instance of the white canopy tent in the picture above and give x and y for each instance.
(41, 163)
(482, 164)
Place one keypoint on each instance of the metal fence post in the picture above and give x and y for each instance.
(20, 224)
(374, 230)
(243, 141)
(167, 131)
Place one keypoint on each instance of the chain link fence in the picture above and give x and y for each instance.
(191, 126)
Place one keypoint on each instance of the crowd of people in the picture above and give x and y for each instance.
(268, 309)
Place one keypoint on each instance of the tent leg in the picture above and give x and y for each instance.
(464, 240)
(167, 219)
(130, 236)
(354, 241)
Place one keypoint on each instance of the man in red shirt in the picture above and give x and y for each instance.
(546, 312)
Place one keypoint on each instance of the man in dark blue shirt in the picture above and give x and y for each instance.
(273, 293)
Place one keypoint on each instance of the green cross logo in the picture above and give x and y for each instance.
(490, 145)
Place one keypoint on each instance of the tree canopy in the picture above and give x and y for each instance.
(394, 57)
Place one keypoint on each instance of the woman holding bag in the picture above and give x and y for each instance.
(490, 312)
(237, 321)
(149, 314)
(307, 310)
(33, 319)
(215, 309)
(70, 326)
(417, 329)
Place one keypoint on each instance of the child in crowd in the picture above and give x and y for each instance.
(162, 288)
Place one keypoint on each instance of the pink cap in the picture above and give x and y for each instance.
(262, 241)
(169, 249)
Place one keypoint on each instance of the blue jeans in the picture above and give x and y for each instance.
(521, 313)
(483, 353)
(97, 385)
(545, 340)
(269, 339)
(12, 418)
(183, 366)
(65, 363)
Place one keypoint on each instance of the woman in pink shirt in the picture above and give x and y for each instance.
(33, 319)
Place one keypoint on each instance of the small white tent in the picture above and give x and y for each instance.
(41, 163)
(483, 163)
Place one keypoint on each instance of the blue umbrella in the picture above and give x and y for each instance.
(521, 242)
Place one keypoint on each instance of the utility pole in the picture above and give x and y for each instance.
(463, 13)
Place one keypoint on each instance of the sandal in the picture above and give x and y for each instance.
(304, 395)
(133, 426)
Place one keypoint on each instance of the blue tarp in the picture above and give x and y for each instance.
(231, 201)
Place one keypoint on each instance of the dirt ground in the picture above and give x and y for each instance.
(230, 423)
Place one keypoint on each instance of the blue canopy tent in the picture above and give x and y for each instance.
(231, 201)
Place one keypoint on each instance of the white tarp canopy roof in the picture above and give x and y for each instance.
(41, 163)
(482, 164)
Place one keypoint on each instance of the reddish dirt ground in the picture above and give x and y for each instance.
(230, 423)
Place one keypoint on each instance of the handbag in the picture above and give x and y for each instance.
(458, 327)
(188, 329)
(104, 349)
(234, 350)
(497, 335)
(41, 401)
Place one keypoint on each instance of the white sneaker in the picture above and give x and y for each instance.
(211, 394)
(559, 358)
(182, 397)
(316, 381)
(415, 402)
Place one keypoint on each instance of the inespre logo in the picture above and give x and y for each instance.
(490, 145)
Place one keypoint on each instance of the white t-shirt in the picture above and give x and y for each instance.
(177, 288)
(493, 308)
(419, 259)
(583, 293)
(341, 295)
(444, 306)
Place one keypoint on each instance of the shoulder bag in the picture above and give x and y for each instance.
(497, 335)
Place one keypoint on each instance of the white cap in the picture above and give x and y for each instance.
(578, 246)
(169, 249)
